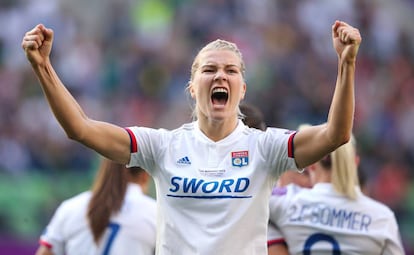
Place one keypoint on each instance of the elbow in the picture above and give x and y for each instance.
(76, 130)
(74, 134)
(341, 140)
(337, 136)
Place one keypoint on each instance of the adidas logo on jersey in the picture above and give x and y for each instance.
(184, 161)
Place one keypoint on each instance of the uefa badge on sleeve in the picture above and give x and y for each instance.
(240, 158)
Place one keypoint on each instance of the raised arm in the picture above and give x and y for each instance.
(109, 140)
(311, 144)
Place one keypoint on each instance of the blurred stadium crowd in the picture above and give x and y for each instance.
(128, 62)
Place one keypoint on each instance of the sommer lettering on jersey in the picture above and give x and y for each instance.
(326, 215)
(321, 221)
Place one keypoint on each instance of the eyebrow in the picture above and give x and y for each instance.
(214, 65)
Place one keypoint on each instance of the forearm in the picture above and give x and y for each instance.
(341, 112)
(65, 108)
(107, 139)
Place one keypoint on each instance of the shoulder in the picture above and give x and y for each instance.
(281, 199)
(277, 136)
(279, 131)
(150, 202)
(186, 127)
(160, 135)
(376, 206)
(284, 195)
(77, 200)
(72, 207)
(290, 189)
(136, 196)
(149, 130)
(269, 131)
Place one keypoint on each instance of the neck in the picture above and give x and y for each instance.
(321, 176)
(217, 130)
(142, 179)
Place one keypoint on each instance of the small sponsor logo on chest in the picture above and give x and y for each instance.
(240, 158)
(184, 161)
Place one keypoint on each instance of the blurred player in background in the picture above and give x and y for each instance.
(252, 116)
(213, 176)
(300, 178)
(334, 217)
(115, 217)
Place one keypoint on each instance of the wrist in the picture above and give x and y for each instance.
(40, 65)
(347, 61)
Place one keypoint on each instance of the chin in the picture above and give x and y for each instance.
(221, 116)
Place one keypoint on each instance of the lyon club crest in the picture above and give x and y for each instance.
(240, 158)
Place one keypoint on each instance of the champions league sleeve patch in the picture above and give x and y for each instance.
(240, 158)
(279, 191)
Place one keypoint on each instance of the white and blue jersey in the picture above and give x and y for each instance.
(131, 231)
(212, 196)
(322, 221)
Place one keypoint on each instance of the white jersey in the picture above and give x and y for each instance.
(131, 231)
(321, 221)
(213, 196)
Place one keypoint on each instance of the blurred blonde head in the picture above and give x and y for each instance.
(343, 167)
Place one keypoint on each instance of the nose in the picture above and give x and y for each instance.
(220, 75)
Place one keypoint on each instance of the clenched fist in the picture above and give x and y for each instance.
(346, 41)
(37, 44)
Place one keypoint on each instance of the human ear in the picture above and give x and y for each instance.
(243, 91)
(191, 89)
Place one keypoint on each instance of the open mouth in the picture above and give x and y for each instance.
(219, 96)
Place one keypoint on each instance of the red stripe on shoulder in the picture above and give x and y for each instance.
(134, 144)
(276, 241)
(290, 146)
(46, 244)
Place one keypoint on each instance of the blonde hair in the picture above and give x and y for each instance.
(344, 169)
(218, 44)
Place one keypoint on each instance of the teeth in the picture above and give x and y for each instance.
(219, 90)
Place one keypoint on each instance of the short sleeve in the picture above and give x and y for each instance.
(393, 243)
(274, 236)
(146, 144)
(277, 147)
(52, 237)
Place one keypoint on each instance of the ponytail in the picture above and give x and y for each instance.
(108, 192)
(344, 169)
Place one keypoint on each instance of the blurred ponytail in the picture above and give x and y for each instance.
(108, 192)
(344, 169)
